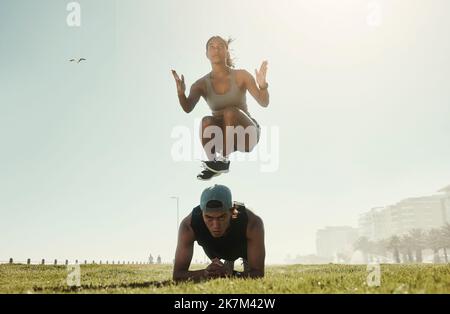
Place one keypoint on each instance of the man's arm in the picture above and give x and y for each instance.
(260, 95)
(189, 103)
(183, 254)
(256, 252)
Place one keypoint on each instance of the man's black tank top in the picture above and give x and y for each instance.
(232, 245)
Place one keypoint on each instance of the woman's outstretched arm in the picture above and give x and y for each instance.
(261, 93)
(187, 103)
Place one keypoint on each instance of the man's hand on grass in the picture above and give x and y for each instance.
(217, 269)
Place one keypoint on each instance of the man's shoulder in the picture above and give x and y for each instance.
(255, 226)
(253, 219)
(195, 214)
(186, 231)
(186, 222)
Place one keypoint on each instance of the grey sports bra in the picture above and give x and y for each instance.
(233, 98)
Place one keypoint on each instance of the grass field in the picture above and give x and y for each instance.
(279, 279)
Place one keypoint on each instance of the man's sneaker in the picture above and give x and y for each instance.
(218, 166)
(207, 174)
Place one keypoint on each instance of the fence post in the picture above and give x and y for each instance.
(76, 261)
(11, 260)
(56, 262)
(43, 261)
(28, 261)
(85, 262)
(67, 262)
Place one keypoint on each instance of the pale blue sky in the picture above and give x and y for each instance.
(85, 163)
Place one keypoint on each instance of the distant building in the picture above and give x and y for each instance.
(375, 224)
(332, 241)
(424, 213)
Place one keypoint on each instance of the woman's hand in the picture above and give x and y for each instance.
(181, 86)
(261, 75)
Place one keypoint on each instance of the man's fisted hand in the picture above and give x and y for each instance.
(216, 269)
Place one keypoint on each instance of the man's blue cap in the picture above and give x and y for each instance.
(218, 193)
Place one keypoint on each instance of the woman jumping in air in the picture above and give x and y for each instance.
(224, 89)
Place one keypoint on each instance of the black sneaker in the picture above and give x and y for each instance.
(217, 166)
(207, 174)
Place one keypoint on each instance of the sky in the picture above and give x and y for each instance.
(358, 118)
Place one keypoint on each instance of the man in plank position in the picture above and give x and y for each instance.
(227, 231)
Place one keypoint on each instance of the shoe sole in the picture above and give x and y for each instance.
(216, 171)
(215, 174)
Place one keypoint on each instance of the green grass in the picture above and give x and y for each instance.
(279, 279)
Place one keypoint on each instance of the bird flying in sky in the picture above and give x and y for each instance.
(78, 61)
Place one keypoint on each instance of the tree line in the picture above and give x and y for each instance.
(409, 247)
